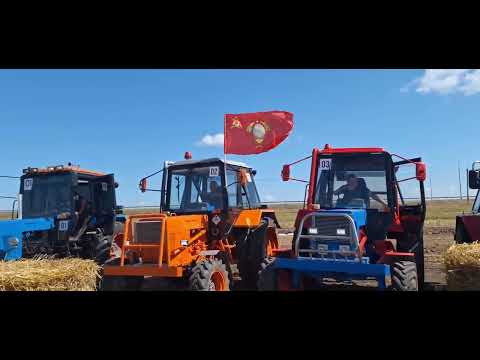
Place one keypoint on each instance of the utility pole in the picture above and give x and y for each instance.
(460, 181)
(468, 190)
(431, 189)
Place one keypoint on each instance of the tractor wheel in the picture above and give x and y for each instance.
(209, 275)
(224, 258)
(266, 276)
(407, 244)
(270, 279)
(119, 283)
(404, 276)
(460, 234)
(102, 249)
(251, 253)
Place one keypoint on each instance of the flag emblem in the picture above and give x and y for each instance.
(258, 129)
(236, 124)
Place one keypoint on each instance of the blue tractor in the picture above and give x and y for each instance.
(360, 221)
(62, 211)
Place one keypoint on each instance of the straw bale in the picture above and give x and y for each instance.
(462, 263)
(44, 273)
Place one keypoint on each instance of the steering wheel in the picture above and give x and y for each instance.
(357, 202)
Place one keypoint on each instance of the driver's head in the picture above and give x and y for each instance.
(214, 186)
(352, 181)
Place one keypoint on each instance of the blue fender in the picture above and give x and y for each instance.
(11, 235)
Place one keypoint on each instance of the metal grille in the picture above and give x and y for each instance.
(147, 232)
(335, 238)
(332, 226)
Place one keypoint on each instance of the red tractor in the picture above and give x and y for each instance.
(468, 225)
(359, 221)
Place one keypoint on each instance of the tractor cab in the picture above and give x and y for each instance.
(210, 218)
(81, 204)
(467, 229)
(474, 183)
(209, 185)
(362, 216)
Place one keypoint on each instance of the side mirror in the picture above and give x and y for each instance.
(254, 172)
(286, 173)
(119, 210)
(116, 185)
(474, 179)
(421, 171)
(143, 185)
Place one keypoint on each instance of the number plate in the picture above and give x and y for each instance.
(63, 225)
(27, 184)
(325, 164)
(344, 248)
(323, 248)
(214, 171)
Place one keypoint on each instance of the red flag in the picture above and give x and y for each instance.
(254, 133)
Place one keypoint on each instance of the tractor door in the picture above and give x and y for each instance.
(412, 210)
(104, 201)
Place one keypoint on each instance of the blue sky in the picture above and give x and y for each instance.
(129, 121)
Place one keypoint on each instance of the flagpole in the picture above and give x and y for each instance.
(224, 150)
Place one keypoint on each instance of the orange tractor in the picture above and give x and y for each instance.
(210, 219)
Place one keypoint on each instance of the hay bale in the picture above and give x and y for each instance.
(44, 273)
(462, 263)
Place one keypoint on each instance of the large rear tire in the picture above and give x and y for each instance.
(251, 252)
(209, 275)
(415, 244)
(404, 276)
(266, 275)
(102, 250)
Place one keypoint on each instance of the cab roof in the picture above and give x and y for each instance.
(61, 169)
(330, 150)
(208, 161)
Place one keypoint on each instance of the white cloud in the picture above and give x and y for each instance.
(446, 81)
(211, 140)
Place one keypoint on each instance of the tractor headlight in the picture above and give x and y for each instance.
(313, 231)
(13, 242)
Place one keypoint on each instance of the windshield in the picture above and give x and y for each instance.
(239, 197)
(195, 189)
(352, 181)
(476, 206)
(46, 195)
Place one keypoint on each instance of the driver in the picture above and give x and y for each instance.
(356, 189)
(80, 209)
(214, 197)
